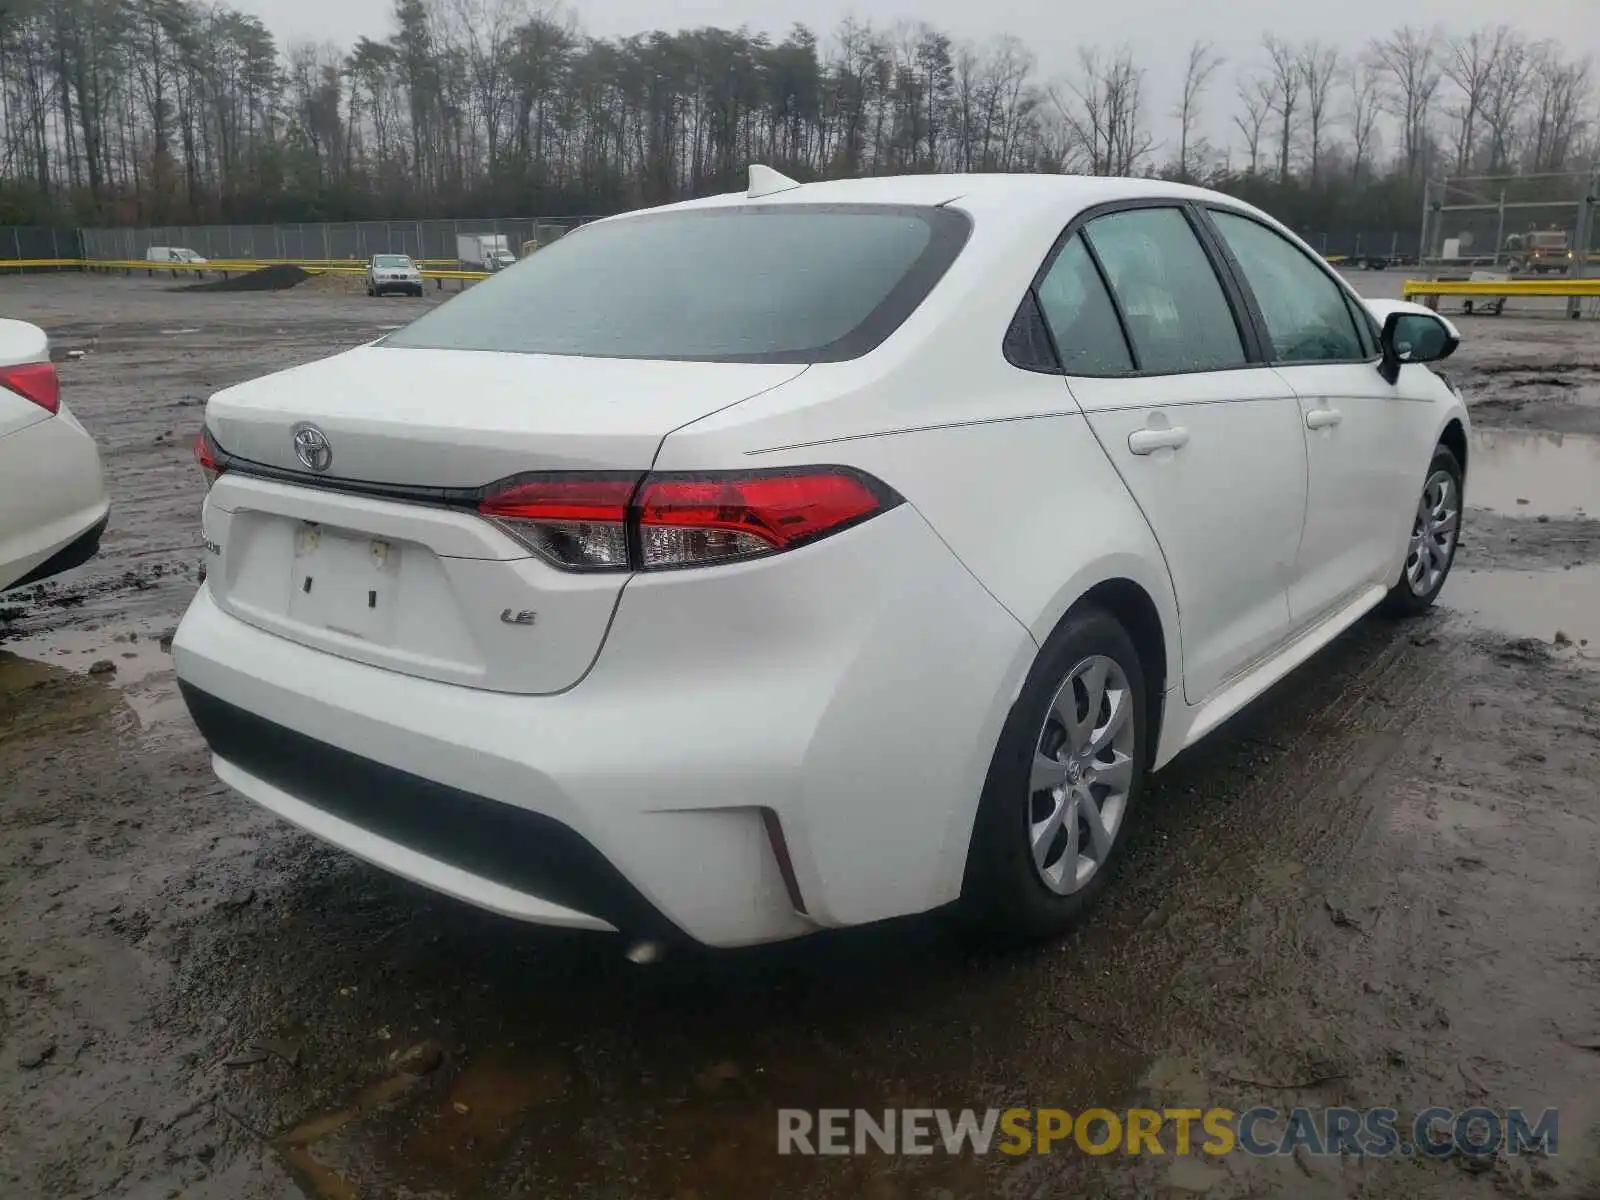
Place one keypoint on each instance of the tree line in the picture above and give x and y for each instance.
(135, 112)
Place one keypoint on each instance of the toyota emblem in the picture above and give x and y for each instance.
(311, 448)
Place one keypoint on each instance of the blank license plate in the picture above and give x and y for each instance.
(345, 582)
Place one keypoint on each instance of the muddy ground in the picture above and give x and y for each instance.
(1380, 886)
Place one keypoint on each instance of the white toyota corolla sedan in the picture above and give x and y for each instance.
(811, 555)
(53, 501)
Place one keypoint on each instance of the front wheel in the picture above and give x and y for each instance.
(1435, 534)
(1065, 777)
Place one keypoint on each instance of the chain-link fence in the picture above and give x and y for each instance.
(1391, 245)
(21, 243)
(1533, 224)
(437, 240)
(430, 241)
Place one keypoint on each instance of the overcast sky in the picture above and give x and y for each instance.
(1160, 31)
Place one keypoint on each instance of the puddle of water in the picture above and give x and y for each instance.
(1536, 604)
(141, 669)
(1558, 475)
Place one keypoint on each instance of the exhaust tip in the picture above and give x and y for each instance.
(645, 952)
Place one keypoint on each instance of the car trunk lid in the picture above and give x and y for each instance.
(379, 556)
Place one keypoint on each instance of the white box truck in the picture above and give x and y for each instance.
(484, 251)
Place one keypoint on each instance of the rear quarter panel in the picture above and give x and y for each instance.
(1000, 461)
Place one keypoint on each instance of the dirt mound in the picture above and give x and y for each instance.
(340, 283)
(268, 279)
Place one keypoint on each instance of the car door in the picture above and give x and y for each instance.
(1207, 441)
(1367, 441)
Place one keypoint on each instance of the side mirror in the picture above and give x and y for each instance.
(1413, 337)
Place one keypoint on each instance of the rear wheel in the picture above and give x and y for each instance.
(1065, 777)
(1435, 534)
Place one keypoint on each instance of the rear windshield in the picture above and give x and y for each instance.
(778, 283)
(391, 260)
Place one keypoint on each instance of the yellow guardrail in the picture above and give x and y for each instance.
(232, 266)
(1568, 288)
(341, 268)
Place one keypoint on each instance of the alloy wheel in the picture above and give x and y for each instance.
(1082, 773)
(1433, 534)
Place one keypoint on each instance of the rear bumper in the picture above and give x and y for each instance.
(55, 505)
(510, 859)
(74, 554)
(850, 698)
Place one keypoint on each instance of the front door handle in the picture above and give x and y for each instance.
(1148, 441)
(1323, 418)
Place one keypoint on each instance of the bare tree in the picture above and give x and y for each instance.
(485, 30)
(991, 89)
(1258, 97)
(1203, 63)
(1559, 92)
(1287, 80)
(1319, 67)
(1366, 103)
(1504, 92)
(1103, 108)
(1409, 59)
(1470, 63)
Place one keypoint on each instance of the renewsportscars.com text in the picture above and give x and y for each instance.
(1262, 1132)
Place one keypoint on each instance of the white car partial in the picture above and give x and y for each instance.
(862, 556)
(53, 504)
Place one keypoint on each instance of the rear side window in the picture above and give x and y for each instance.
(1078, 310)
(1307, 316)
(1177, 314)
(748, 283)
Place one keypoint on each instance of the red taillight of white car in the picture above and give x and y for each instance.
(619, 522)
(207, 454)
(576, 521)
(36, 381)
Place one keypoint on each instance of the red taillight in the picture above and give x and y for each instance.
(209, 456)
(35, 381)
(707, 519)
(615, 522)
(575, 521)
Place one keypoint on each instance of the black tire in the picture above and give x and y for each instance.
(1406, 598)
(1003, 893)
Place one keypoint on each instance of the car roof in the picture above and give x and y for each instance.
(976, 193)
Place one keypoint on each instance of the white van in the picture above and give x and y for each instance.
(174, 254)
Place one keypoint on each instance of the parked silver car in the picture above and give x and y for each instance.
(393, 273)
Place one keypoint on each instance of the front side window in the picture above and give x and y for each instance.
(1176, 311)
(1306, 314)
(794, 283)
(1082, 321)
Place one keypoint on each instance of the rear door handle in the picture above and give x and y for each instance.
(1323, 418)
(1148, 441)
